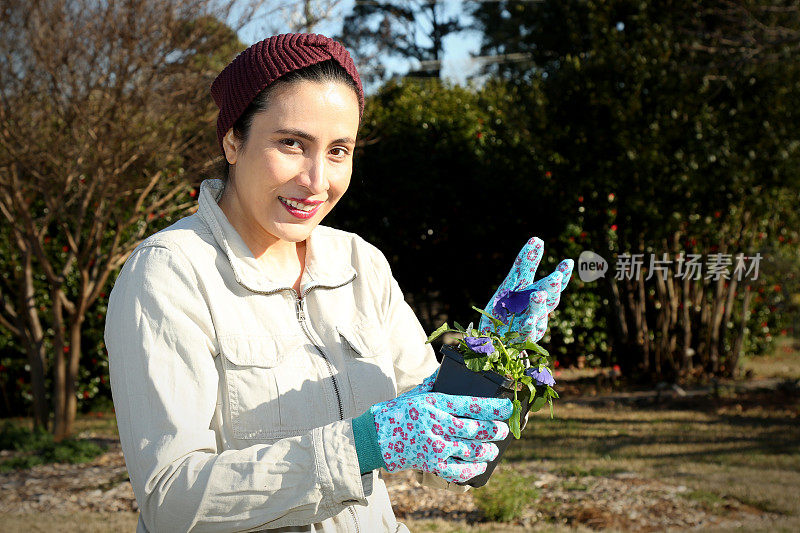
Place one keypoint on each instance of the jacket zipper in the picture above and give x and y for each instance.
(355, 521)
(301, 317)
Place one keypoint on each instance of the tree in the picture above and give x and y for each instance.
(104, 111)
(413, 29)
(447, 184)
(667, 144)
(733, 33)
(306, 15)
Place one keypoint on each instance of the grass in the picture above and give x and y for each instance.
(744, 451)
(593, 471)
(741, 448)
(35, 447)
(83, 521)
(96, 425)
(741, 451)
(575, 486)
(101, 425)
(783, 362)
(504, 499)
(450, 526)
(708, 500)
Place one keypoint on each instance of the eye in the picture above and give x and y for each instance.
(290, 143)
(339, 152)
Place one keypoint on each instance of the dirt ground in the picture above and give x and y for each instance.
(596, 467)
(662, 460)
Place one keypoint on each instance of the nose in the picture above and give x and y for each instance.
(315, 175)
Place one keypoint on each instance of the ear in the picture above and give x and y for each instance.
(231, 147)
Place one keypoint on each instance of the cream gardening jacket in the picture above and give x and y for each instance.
(234, 395)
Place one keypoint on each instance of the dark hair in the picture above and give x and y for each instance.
(326, 71)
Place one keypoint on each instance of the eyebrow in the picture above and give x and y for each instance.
(302, 134)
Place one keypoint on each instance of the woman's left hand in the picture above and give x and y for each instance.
(545, 294)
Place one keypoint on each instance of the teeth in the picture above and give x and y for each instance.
(297, 205)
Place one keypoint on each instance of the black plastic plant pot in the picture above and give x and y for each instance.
(455, 378)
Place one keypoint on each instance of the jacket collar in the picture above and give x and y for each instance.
(326, 266)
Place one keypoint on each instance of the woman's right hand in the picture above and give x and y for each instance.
(428, 432)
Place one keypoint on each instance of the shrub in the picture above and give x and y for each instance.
(36, 447)
(505, 497)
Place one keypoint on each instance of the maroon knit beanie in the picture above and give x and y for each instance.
(266, 61)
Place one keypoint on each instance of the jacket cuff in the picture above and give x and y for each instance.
(366, 439)
(340, 479)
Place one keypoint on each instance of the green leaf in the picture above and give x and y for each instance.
(497, 323)
(506, 358)
(441, 331)
(532, 389)
(476, 363)
(538, 403)
(553, 393)
(458, 326)
(527, 380)
(530, 345)
(513, 422)
(438, 333)
(538, 349)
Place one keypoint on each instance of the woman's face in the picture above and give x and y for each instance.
(295, 165)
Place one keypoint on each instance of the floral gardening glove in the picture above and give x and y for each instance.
(518, 292)
(428, 432)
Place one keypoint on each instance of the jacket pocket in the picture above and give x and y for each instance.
(370, 368)
(268, 388)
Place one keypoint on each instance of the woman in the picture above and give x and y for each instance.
(255, 355)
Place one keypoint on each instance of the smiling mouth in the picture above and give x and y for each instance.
(300, 208)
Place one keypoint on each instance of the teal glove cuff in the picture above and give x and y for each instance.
(367, 448)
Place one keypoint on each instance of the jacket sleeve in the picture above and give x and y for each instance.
(164, 381)
(413, 359)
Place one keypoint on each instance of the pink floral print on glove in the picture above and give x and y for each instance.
(443, 434)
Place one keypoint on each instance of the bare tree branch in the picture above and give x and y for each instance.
(105, 121)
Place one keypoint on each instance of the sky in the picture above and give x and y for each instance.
(458, 48)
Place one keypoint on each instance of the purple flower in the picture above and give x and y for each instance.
(511, 303)
(479, 344)
(541, 376)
